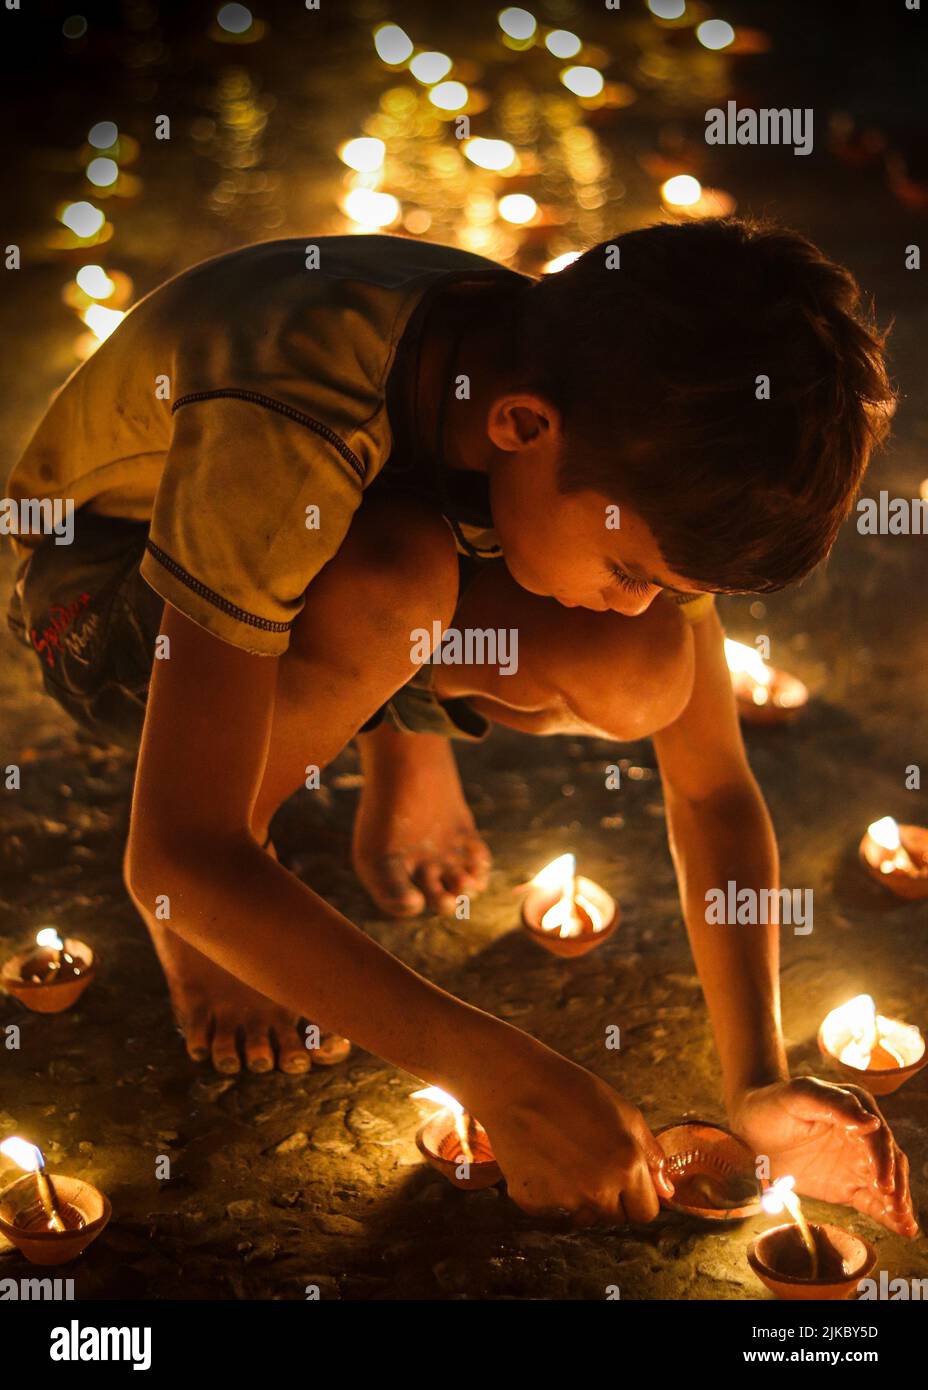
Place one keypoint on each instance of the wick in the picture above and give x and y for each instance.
(49, 1199)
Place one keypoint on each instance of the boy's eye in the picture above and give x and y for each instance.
(632, 586)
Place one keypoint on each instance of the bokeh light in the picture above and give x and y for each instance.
(715, 33)
(371, 209)
(562, 43)
(560, 262)
(93, 280)
(518, 24)
(235, 19)
(490, 154)
(83, 219)
(449, 96)
(103, 135)
(393, 44)
(364, 154)
(102, 321)
(667, 9)
(430, 67)
(681, 191)
(583, 81)
(518, 208)
(102, 172)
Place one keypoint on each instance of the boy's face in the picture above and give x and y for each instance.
(567, 546)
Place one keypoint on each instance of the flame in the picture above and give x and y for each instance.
(560, 876)
(440, 1098)
(885, 832)
(48, 936)
(854, 1031)
(23, 1153)
(746, 660)
(781, 1196)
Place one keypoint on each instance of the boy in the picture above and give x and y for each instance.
(291, 458)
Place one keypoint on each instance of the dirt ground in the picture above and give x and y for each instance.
(277, 1183)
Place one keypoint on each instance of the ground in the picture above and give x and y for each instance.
(277, 1182)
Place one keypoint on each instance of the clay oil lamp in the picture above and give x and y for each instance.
(712, 1171)
(565, 914)
(50, 1219)
(763, 694)
(52, 978)
(455, 1144)
(878, 1053)
(897, 856)
(802, 1261)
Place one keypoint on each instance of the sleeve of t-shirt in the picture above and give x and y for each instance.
(254, 499)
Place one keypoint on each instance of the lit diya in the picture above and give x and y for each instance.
(879, 1053)
(52, 978)
(50, 1219)
(802, 1261)
(455, 1144)
(897, 856)
(764, 695)
(712, 1171)
(566, 914)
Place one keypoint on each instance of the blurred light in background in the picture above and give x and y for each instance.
(490, 154)
(364, 154)
(518, 24)
(562, 43)
(393, 44)
(370, 209)
(83, 219)
(681, 191)
(102, 321)
(430, 67)
(103, 135)
(560, 262)
(583, 82)
(449, 96)
(667, 9)
(715, 33)
(94, 281)
(234, 19)
(518, 208)
(102, 172)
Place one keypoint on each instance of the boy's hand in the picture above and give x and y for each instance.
(568, 1145)
(835, 1143)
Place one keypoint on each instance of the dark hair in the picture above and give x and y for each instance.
(653, 368)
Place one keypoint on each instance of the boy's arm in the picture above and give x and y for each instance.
(831, 1138)
(563, 1138)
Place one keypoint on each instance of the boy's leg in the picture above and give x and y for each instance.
(578, 672)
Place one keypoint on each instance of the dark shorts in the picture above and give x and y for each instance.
(93, 622)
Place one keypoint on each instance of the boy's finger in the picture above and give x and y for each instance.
(293, 1057)
(196, 1033)
(428, 877)
(332, 1049)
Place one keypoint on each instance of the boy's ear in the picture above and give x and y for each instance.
(523, 420)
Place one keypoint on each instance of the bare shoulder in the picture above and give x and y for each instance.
(402, 542)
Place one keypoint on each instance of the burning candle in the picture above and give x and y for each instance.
(856, 1039)
(567, 914)
(32, 1159)
(781, 1196)
(802, 1261)
(897, 856)
(53, 978)
(764, 695)
(50, 1219)
(456, 1144)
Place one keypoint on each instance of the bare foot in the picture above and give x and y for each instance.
(415, 841)
(223, 1019)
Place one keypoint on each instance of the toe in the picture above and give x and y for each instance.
(195, 1028)
(259, 1055)
(225, 1045)
(429, 877)
(293, 1056)
(389, 884)
(332, 1049)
